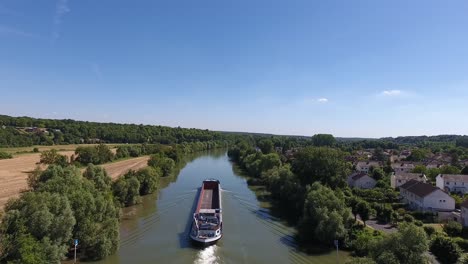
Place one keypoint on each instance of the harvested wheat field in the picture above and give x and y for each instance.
(118, 168)
(14, 172)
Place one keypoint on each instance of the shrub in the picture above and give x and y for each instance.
(408, 218)
(4, 155)
(453, 228)
(35, 150)
(462, 243)
(418, 223)
(430, 230)
(445, 250)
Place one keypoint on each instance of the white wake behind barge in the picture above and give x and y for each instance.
(207, 225)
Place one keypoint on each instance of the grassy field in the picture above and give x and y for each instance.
(28, 150)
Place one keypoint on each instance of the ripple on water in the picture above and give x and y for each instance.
(207, 256)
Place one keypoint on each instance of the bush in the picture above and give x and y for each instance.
(426, 217)
(453, 229)
(418, 223)
(462, 243)
(445, 250)
(430, 230)
(408, 218)
(35, 150)
(4, 155)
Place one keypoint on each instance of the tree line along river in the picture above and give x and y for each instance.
(156, 231)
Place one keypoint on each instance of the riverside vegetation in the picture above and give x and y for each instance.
(311, 186)
(306, 175)
(63, 204)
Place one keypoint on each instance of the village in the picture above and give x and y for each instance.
(441, 194)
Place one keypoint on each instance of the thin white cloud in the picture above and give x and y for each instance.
(6, 30)
(60, 10)
(322, 100)
(391, 93)
(96, 69)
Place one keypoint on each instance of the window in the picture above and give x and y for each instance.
(447, 183)
(399, 180)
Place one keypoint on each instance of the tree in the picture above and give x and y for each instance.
(363, 209)
(448, 169)
(98, 176)
(149, 180)
(407, 246)
(42, 224)
(453, 228)
(320, 164)
(323, 140)
(417, 155)
(325, 216)
(419, 169)
(53, 157)
(160, 161)
(378, 154)
(266, 146)
(353, 203)
(445, 250)
(378, 174)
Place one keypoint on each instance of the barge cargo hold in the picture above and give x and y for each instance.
(207, 225)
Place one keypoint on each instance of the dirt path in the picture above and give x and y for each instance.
(14, 172)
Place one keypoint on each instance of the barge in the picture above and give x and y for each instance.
(207, 225)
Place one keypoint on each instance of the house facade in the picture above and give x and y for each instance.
(365, 166)
(453, 182)
(422, 196)
(400, 178)
(403, 167)
(361, 180)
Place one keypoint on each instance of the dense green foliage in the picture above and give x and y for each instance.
(325, 165)
(321, 140)
(445, 250)
(63, 205)
(96, 155)
(325, 216)
(453, 228)
(406, 246)
(53, 157)
(76, 132)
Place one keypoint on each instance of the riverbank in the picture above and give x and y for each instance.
(157, 229)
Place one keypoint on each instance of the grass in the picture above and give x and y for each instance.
(438, 227)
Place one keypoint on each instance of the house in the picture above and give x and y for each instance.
(425, 197)
(453, 182)
(400, 178)
(364, 166)
(464, 213)
(402, 167)
(361, 180)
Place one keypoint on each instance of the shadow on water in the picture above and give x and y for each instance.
(184, 238)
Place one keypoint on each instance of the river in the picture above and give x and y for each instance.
(156, 231)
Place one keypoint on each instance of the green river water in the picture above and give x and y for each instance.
(156, 231)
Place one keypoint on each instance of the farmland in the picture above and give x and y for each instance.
(14, 172)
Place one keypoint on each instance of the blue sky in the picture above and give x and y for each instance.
(350, 68)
